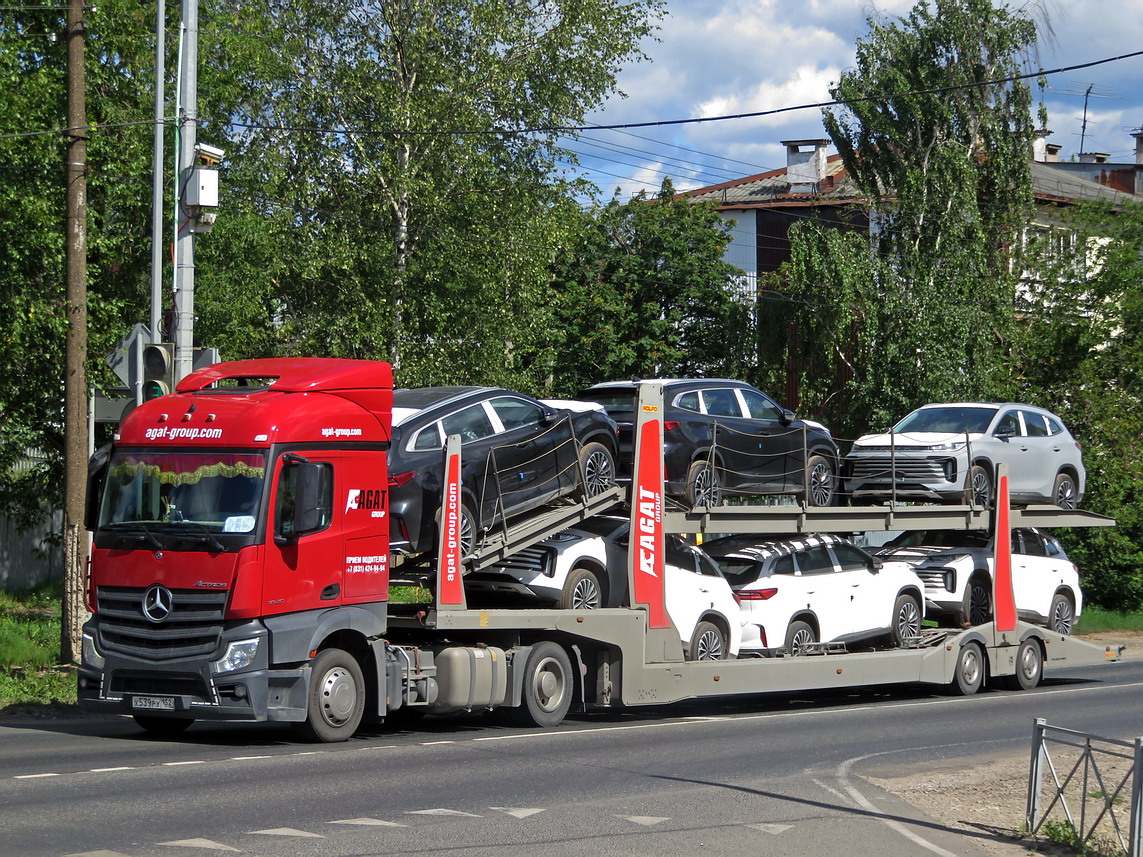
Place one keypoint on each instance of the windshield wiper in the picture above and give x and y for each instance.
(139, 530)
(207, 535)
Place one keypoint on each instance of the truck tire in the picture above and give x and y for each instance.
(582, 591)
(597, 468)
(1062, 614)
(162, 727)
(798, 636)
(708, 643)
(703, 488)
(969, 673)
(821, 481)
(335, 702)
(1029, 666)
(906, 619)
(548, 686)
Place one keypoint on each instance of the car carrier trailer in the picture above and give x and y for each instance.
(284, 615)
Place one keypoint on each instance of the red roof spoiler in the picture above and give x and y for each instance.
(296, 374)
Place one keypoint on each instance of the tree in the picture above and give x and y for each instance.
(1080, 351)
(642, 290)
(920, 309)
(398, 157)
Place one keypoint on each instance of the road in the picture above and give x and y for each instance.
(769, 775)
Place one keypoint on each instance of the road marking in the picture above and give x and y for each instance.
(33, 776)
(843, 777)
(208, 844)
(97, 854)
(772, 829)
(434, 743)
(645, 820)
(248, 758)
(516, 813)
(442, 811)
(285, 831)
(371, 821)
(109, 770)
(179, 764)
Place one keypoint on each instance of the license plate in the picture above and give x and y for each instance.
(153, 703)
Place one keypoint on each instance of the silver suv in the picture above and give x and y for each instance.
(949, 452)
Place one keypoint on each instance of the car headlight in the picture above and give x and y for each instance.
(951, 446)
(91, 656)
(239, 655)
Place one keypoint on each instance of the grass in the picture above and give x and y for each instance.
(1095, 619)
(30, 650)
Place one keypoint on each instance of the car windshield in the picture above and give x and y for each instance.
(218, 492)
(612, 400)
(950, 419)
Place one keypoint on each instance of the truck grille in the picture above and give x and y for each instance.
(192, 629)
(908, 469)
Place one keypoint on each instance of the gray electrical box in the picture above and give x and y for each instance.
(202, 189)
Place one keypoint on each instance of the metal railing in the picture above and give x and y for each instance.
(1086, 789)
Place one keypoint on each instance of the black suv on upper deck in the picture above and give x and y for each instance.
(727, 436)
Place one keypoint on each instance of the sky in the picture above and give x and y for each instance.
(723, 57)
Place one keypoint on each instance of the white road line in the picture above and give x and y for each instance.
(843, 778)
(285, 831)
(443, 811)
(109, 770)
(179, 764)
(200, 843)
(248, 758)
(33, 776)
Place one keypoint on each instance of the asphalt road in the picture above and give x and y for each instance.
(769, 775)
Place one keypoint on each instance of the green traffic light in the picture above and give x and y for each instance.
(153, 390)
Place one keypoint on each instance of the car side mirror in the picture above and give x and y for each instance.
(875, 565)
(787, 417)
(1004, 433)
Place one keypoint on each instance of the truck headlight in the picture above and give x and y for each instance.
(91, 656)
(239, 655)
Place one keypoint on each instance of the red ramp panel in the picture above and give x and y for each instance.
(1003, 599)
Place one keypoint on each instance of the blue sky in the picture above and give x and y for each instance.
(720, 57)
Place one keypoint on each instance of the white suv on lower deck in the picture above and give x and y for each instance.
(956, 566)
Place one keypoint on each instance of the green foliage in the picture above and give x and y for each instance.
(642, 290)
(1080, 352)
(1096, 619)
(918, 308)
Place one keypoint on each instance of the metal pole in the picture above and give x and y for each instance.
(184, 238)
(1035, 773)
(157, 179)
(1134, 849)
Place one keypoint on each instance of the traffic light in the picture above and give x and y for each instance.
(158, 370)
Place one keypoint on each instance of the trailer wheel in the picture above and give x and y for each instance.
(581, 591)
(163, 727)
(336, 700)
(703, 488)
(707, 644)
(598, 469)
(969, 673)
(798, 636)
(1029, 667)
(548, 686)
(1062, 614)
(906, 619)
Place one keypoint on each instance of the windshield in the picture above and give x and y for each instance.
(953, 419)
(218, 492)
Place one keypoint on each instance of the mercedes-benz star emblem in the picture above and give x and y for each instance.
(157, 603)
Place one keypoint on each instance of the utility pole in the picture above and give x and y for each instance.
(184, 234)
(74, 611)
(157, 178)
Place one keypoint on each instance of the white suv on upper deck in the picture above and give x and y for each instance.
(949, 453)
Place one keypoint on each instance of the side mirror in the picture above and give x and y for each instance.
(787, 417)
(875, 565)
(1005, 433)
(96, 477)
(305, 498)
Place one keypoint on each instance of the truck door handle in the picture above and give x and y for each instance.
(331, 592)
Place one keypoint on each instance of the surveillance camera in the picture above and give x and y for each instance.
(210, 154)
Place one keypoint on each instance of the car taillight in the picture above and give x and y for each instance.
(400, 479)
(756, 594)
(670, 425)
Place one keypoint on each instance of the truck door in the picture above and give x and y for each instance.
(361, 489)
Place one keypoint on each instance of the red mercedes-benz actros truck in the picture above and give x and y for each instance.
(240, 572)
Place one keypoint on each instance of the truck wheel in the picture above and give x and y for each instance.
(598, 469)
(820, 480)
(703, 488)
(581, 591)
(163, 727)
(798, 636)
(977, 607)
(336, 698)
(547, 686)
(969, 673)
(906, 619)
(707, 643)
(1029, 667)
(1062, 614)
